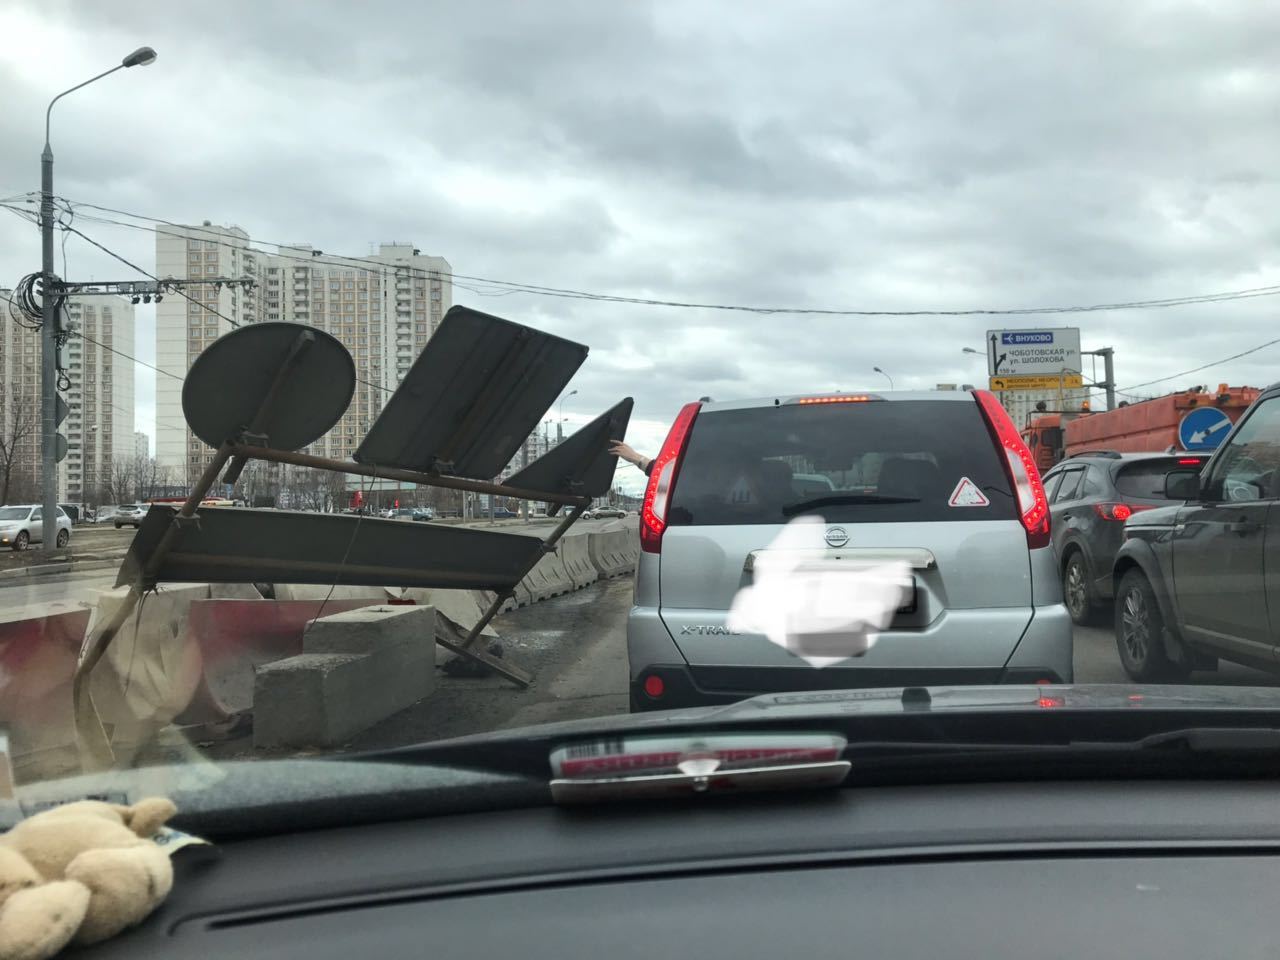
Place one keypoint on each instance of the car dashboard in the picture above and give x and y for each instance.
(1134, 868)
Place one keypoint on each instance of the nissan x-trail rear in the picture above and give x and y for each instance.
(936, 485)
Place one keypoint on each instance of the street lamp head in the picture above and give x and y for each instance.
(142, 57)
(877, 370)
(970, 350)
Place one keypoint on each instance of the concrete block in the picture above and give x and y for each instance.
(461, 607)
(371, 629)
(324, 700)
(233, 591)
(315, 591)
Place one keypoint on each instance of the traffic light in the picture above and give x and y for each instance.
(397, 503)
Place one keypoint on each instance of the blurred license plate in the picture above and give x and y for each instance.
(910, 605)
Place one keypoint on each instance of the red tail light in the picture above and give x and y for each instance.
(1190, 462)
(1021, 468)
(662, 479)
(1119, 511)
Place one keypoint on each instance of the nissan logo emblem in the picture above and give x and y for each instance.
(837, 536)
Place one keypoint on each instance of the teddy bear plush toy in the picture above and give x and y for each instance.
(80, 873)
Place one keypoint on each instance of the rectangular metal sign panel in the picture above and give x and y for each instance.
(1068, 381)
(239, 545)
(1044, 352)
(478, 389)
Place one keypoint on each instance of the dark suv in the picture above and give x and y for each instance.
(1091, 495)
(1201, 580)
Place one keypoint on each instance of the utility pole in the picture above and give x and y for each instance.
(48, 355)
(1109, 372)
(50, 302)
(524, 462)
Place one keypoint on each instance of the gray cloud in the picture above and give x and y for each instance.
(906, 156)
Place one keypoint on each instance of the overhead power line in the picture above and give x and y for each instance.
(568, 293)
(111, 253)
(1204, 366)
(506, 288)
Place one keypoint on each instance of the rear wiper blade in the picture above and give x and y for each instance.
(842, 499)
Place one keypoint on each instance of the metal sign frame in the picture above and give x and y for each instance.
(146, 565)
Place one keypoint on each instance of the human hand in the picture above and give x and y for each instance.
(619, 449)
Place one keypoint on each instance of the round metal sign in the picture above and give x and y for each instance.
(231, 380)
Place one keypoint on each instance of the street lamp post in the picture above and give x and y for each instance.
(143, 56)
(560, 417)
(886, 376)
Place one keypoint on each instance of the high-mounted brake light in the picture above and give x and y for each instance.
(1190, 462)
(839, 398)
(662, 478)
(1021, 468)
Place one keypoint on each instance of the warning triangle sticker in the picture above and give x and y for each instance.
(967, 494)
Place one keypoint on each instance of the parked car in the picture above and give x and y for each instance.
(423, 514)
(23, 524)
(129, 515)
(1091, 495)
(1199, 580)
(607, 513)
(501, 513)
(400, 513)
(938, 482)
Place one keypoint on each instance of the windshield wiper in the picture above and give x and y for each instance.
(842, 499)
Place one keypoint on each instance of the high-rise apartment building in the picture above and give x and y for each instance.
(141, 445)
(99, 426)
(383, 308)
(185, 325)
(99, 394)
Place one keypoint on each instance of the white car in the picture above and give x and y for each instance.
(23, 525)
(129, 515)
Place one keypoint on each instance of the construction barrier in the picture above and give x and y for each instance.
(613, 552)
(549, 578)
(577, 563)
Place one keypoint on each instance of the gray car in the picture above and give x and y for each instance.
(1200, 580)
(938, 482)
(1091, 495)
(23, 525)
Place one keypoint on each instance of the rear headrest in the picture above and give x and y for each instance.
(908, 478)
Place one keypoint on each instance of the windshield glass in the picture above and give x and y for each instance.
(741, 465)
(332, 329)
(1145, 478)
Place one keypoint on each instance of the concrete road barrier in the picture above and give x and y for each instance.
(577, 563)
(549, 578)
(323, 696)
(613, 552)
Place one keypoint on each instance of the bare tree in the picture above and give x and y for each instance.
(19, 424)
(121, 481)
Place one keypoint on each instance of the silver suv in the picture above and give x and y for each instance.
(938, 485)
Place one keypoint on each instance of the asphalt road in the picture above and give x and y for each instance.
(576, 648)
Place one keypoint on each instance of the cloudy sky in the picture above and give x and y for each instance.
(858, 156)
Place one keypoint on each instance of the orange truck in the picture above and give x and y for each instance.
(1145, 426)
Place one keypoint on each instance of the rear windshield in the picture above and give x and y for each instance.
(759, 465)
(1144, 479)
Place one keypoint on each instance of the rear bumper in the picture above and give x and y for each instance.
(685, 686)
(1043, 651)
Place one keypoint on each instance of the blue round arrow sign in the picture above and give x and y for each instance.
(1203, 429)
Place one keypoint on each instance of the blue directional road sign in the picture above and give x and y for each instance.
(1203, 429)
